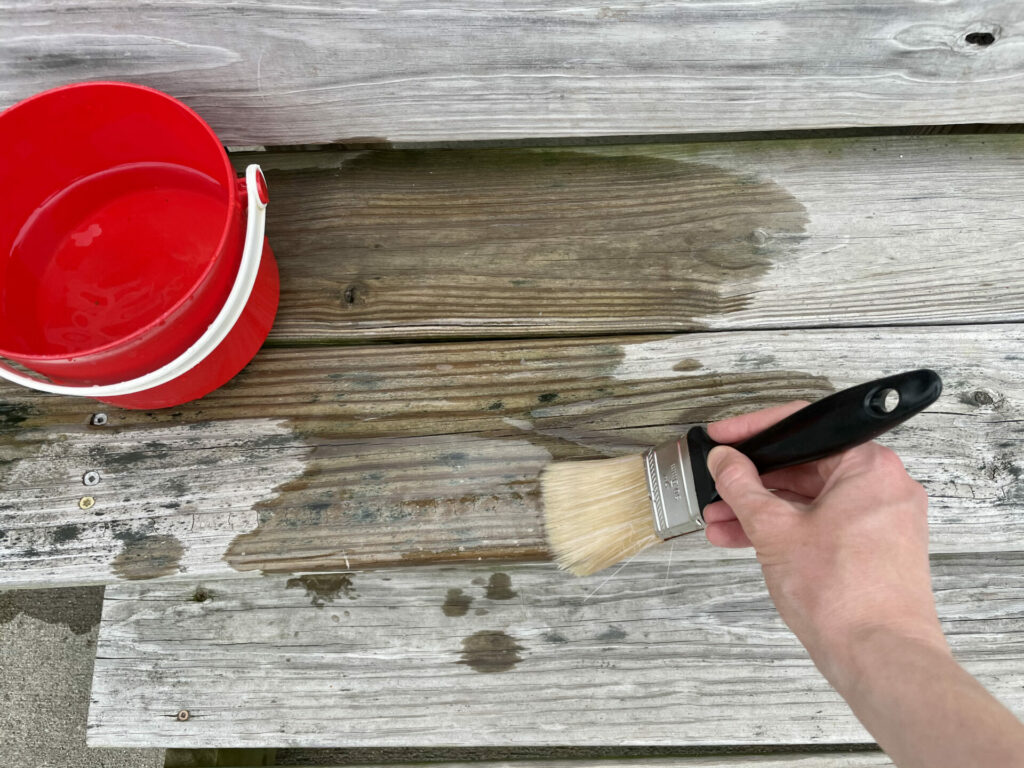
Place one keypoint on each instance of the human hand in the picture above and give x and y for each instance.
(842, 542)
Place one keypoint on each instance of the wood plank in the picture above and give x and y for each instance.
(659, 238)
(295, 72)
(666, 652)
(530, 757)
(339, 458)
(858, 759)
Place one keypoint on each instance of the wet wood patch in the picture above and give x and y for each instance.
(146, 557)
(520, 240)
(489, 651)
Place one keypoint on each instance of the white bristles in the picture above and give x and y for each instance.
(597, 513)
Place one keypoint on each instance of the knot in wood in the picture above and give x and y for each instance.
(979, 38)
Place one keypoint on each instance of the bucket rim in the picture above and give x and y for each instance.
(230, 177)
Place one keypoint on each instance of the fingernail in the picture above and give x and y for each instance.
(714, 459)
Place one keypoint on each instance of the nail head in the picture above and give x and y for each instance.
(183, 715)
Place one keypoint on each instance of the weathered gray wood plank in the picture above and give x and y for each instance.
(666, 651)
(338, 458)
(472, 243)
(294, 72)
(865, 759)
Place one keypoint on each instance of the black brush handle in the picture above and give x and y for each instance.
(823, 428)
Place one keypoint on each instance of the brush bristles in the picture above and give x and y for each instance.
(597, 513)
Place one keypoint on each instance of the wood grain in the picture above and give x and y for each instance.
(662, 653)
(293, 72)
(343, 458)
(476, 243)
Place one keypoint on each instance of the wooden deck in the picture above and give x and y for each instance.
(344, 546)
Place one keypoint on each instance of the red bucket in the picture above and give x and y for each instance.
(134, 267)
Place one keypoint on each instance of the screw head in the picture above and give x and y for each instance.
(183, 715)
(86, 502)
(98, 419)
(91, 478)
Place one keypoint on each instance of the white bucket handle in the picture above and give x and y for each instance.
(252, 251)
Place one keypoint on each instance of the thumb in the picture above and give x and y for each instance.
(738, 483)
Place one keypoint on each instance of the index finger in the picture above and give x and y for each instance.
(745, 425)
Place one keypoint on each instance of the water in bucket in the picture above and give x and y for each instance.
(108, 255)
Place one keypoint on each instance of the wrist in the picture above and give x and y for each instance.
(868, 652)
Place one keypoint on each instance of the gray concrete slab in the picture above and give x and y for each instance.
(47, 646)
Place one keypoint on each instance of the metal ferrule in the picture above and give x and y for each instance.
(670, 485)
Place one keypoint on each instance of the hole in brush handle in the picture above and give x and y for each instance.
(885, 401)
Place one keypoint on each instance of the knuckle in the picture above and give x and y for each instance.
(771, 504)
(886, 460)
(730, 475)
(756, 504)
(860, 458)
(916, 492)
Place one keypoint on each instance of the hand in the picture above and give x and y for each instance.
(842, 542)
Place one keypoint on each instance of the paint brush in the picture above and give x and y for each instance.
(599, 512)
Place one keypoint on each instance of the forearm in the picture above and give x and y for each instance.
(843, 544)
(921, 707)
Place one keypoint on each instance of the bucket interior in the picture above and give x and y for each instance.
(117, 199)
